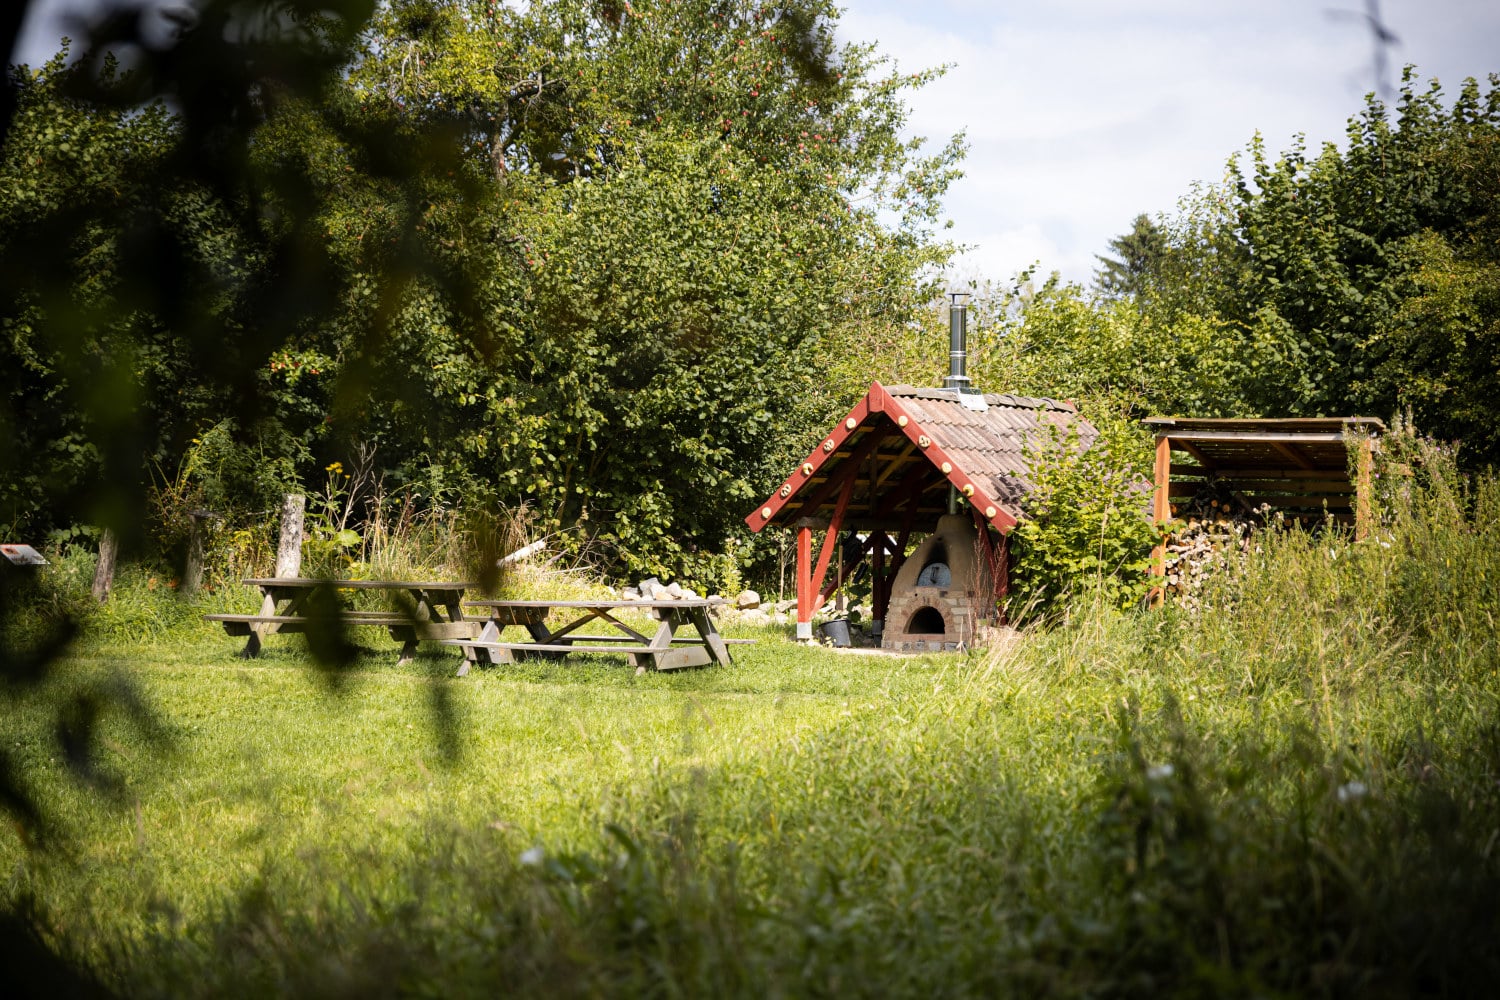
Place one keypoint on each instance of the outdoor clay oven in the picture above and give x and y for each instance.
(942, 591)
(942, 467)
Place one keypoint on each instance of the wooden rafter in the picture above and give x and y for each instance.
(1196, 452)
(847, 469)
(905, 456)
(913, 488)
(1293, 454)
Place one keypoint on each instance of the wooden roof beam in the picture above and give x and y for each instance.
(1265, 437)
(848, 468)
(1194, 451)
(1293, 453)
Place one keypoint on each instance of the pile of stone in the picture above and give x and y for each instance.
(652, 589)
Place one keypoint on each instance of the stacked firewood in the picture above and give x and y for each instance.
(1213, 526)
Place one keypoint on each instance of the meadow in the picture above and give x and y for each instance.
(1294, 792)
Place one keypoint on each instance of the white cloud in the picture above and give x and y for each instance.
(1084, 113)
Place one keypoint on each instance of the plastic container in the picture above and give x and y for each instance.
(837, 632)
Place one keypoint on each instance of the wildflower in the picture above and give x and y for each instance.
(532, 857)
(1352, 790)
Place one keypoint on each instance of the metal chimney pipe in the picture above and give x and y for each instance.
(958, 343)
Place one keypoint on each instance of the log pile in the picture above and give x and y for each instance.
(1213, 526)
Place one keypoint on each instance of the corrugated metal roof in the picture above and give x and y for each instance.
(892, 430)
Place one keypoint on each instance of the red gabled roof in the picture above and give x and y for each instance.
(908, 446)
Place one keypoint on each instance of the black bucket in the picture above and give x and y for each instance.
(837, 632)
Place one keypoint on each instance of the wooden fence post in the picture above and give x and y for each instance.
(289, 548)
(1161, 513)
(104, 571)
(192, 570)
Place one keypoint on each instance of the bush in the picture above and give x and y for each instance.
(1087, 530)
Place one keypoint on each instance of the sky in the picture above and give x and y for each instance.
(1082, 114)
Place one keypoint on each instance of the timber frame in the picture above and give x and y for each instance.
(1300, 467)
(894, 464)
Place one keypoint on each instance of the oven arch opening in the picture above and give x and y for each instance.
(926, 621)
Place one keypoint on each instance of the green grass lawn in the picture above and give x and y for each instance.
(261, 759)
(1295, 793)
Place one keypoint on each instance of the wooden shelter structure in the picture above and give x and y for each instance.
(895, 465)
(1298, 466)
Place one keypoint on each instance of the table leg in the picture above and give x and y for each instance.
(252, 642)
(704, 623)
(541, 635)
(491, 633)
(662, 656)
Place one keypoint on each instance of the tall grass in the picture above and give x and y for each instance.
(1295, 791)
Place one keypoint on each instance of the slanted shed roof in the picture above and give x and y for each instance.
(1290, 464)
(891, 460)
(1260, 445)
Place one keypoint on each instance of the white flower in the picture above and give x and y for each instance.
(1160, 772)
(532, 857)
(1352, 790)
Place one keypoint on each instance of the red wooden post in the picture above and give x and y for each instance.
(1364, 508)
(994, 562)
(831, 540)
(804, 582)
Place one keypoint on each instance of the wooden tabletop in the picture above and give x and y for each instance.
(607, 602)
(305, 581)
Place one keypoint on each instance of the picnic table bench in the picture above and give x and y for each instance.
(434, 612)
(664, 650)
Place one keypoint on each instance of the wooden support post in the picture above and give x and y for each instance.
(192, 570)
(1004, 585)
(289, 549)
(104, 571)
(830, 540)
(1364, 509)
(845, 571)
(878, 593)
(1161, 513)
(804, 583)
(988, 553)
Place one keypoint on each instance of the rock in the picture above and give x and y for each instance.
(748, 599)
(647, 587)
(674, 591)
(630, 594)
(689, 594)
(785, 606)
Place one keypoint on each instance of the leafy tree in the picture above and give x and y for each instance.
(685, 212)
(1360, 279)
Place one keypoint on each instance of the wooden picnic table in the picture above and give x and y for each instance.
(663, 650)
(433, 611)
